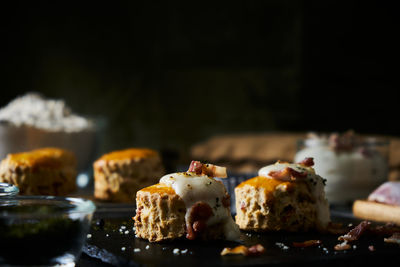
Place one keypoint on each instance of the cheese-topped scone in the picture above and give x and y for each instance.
(188, 204)
(120, 174)
(45, 171)
(284, 196)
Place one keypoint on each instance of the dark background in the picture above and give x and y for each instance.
(168, 75)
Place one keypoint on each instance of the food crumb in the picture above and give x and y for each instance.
(123, 248)
(255, 250)
(281, 246)
(107, 235)
(126, 232)
(184, 251)
(371, 248)
(176, 251)
(342, 246)
(147, 247)
(136, 250)
(88, 236)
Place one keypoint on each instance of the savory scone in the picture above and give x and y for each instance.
(191, 204)
(120, 174)
(45, 171)
(284, 196)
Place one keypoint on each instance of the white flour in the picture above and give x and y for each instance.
(48, 114)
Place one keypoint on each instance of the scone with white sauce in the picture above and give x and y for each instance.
(118, 175)
(45, 171)
(188, 204)
(285, 196)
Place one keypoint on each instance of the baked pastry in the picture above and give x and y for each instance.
(382, 205)
(120, 174)
(45, 171)
(284, 196)
(191, 204)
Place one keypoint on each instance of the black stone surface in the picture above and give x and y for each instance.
(113, 246)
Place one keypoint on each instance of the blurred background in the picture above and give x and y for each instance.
(169, 75)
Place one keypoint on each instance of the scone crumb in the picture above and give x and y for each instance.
(282, 246)
(342, 246)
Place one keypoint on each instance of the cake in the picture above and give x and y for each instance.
(45, 171)
(188, 204)
(120, 174)
(284, 196)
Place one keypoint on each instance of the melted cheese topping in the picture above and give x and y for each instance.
(193, 188)
(314, 181)
(265, 171)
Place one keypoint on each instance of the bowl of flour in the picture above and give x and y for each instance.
(32, 121)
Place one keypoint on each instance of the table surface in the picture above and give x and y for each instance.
(114, 244)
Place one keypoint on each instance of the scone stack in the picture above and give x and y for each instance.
(120, 174)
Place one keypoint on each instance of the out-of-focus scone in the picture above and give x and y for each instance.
(191, 204)
(284, 196)
(45, 171)
(120, 174)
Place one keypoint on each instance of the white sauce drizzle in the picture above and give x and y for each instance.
(315, 182)
(193, 188)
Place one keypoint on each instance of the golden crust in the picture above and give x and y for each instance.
(49, 157)
(126, 154)
(160, 189)
(267, 184)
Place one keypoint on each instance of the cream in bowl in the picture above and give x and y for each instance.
(353, 165)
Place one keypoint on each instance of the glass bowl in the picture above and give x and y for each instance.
(43, 230)
(8, 190)
(353, 165)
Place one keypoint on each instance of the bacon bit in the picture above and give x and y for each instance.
(287, 174)
(388, 193)
(243, 205)
(226, 201)
(371, 248)
(306, 244)
(255, 250)
(355, 233)
(207, 169)
(395, 238)
(199, 214)
(385, 230)
(342, 246)
(308, 162)
(195, 166)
